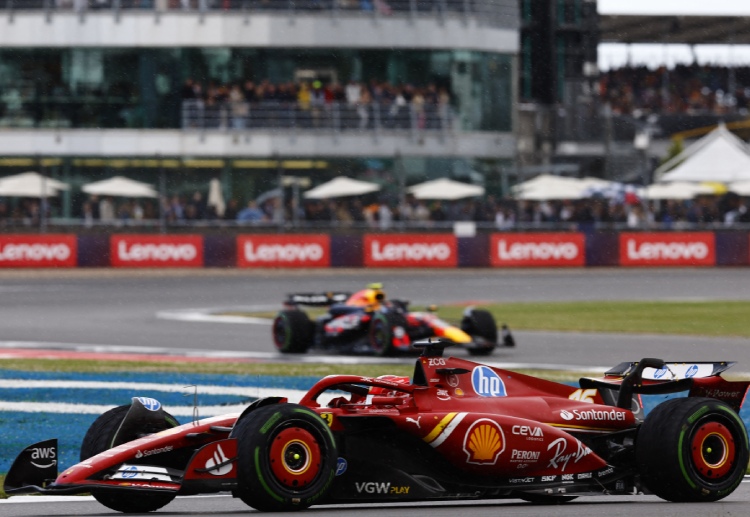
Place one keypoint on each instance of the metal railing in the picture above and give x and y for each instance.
(335, 116)
(501, 13)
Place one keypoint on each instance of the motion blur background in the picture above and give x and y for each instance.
(274, 97)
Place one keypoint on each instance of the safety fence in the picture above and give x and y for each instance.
(381, 250)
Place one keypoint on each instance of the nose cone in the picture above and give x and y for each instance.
(456, 335)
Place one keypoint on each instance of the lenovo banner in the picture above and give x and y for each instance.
(410, 250)
(537, 249)
(38, 251)
(156, 250)
(283, 251)
(668, 249)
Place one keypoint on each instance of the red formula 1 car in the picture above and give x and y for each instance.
(455, 430)
(367, 322)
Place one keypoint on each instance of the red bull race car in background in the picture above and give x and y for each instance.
(456, 430)
(367, 322)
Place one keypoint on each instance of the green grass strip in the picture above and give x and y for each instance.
(699, 318)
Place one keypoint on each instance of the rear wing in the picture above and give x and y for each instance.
(673, 370)
(316, 299)
(699, 379)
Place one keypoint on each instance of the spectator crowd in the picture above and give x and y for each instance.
(685, 89)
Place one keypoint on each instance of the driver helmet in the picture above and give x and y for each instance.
(372, 297)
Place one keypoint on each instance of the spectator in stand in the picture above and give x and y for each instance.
(251, 213)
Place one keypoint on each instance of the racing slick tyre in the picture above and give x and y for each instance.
(286, 458)
(293, 332)
(692, 449)
(381, 332)
(478, 322)
(98, 439)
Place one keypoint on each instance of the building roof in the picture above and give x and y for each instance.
(695, 29)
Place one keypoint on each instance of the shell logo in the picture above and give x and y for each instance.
(483, 443)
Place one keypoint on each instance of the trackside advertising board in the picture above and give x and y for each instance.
(38, 250)
(283, 251)
(156, 250)
(410, 250)
(537, 249)
(668, 249)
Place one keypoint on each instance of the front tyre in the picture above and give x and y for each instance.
(286, 458)
(293, 332)
(99, 438)
(481, 326)
(692, 449)
(381, 333)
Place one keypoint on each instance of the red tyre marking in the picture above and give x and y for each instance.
(295, 457)
(713, 450)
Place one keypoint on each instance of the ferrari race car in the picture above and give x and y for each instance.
(457, 430)
(367, 322)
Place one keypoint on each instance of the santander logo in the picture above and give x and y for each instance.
(163, 252)
(666, 250)
(537, 250)
(310, 252)
(417, 251)
(35, 252)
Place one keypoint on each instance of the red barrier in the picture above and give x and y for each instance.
(56, 250)
(668, 249)
(156, 250)
(283, 251)
(537, 249)
(410, 250)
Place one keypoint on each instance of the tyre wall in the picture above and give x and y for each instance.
(388, 250)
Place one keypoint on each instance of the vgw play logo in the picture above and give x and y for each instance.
(487, 383)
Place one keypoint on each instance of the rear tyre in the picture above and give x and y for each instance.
(99, 438)
(381, 333)
(692, 449)
(286, 458)
(480, 324)
(293, 332)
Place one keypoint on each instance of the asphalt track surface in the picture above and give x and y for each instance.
(106, 309)
(127, 308)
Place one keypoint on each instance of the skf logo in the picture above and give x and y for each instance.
(487, 383)
(44, 455)
(483, 443)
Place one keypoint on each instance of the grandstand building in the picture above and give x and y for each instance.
(177, 92)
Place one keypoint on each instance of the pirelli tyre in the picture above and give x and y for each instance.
(286, 458)
(293, 332)
(692, 449)
(481, 326)
(99, 438)
(381, 333)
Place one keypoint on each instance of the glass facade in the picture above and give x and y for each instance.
(144, 88)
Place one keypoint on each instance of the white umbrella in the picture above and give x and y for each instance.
(216, 197)
(676, 190)
(445, 188)
(740, 187)
(120, 186)
(341, 186)
(547, 186)
(30, 184)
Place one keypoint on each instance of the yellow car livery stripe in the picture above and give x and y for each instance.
(443, 430)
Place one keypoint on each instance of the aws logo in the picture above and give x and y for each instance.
(484, 442)
(46, 456)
